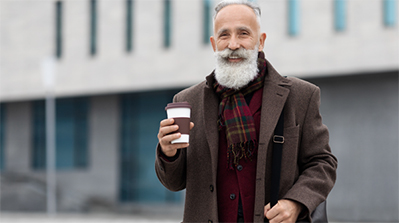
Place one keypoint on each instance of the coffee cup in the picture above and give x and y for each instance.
(180, 112)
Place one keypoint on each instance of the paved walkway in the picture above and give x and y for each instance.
(81, 218)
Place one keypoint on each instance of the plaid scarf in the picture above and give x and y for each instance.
(235, 115)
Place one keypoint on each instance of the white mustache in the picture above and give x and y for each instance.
(239, 53)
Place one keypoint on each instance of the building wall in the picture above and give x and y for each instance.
(361, 112)
(111, 169)
(317, 49)
(17, 139)
(77, 189)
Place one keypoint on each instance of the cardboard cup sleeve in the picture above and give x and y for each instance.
(180, 112)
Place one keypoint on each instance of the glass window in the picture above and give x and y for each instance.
(58, 29)
(93, 27)
(390, 7)
(71, 133)
(2, 133)
(38, 135)
(167, 23)
(340, 15)
(129, 25)
(140, 117)
(293, 17)
(207, 26)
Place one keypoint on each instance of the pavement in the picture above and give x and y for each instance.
(12, 217)
(82, 218)
(132, 213)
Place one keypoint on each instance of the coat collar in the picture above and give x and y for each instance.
(275, 93)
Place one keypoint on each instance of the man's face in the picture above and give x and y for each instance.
(236, 44)
(236, 27)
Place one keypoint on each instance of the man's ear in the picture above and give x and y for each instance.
(262, 41)
(213, 43)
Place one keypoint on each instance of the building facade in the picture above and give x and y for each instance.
(114, 65)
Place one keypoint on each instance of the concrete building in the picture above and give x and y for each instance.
(118, 63)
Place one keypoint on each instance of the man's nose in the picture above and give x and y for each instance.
(234, 43)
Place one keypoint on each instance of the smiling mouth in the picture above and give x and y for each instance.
(234, 59)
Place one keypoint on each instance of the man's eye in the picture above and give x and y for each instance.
(223, 35)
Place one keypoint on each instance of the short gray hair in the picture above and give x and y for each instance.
(225, 3)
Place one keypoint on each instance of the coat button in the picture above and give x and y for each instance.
(232, 196)
(211, 188)
(239, 167)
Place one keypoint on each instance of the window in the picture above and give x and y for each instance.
(167, 23)
(2, 132)
(129, 25)
(293, 17)
(71, 133)
(140, 117)
(390, 7)
(39, 135)
(207, 21)
(58, 29)
(93, 27)
(340, 15)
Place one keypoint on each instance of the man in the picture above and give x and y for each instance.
(225, 168)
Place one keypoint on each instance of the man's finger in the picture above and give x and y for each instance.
(163, 131)
(271, 213)
(266, 209)
(167, 139)
(167, 122)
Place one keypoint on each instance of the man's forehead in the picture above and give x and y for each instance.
(242, 16)
(237, 9)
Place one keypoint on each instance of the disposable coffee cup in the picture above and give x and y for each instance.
(180, 112)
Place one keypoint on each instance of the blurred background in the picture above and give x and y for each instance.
(95, 76)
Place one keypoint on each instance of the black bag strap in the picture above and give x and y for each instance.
(278, 141)
(320, 213)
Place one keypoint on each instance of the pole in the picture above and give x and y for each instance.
(50, 154)
(48, 80)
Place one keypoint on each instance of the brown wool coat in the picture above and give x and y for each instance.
(308, 166)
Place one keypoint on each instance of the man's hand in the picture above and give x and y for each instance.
(283, 211)
(165, 138)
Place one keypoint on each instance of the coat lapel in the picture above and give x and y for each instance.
(211, 106)
(273, 100)
(275, 92)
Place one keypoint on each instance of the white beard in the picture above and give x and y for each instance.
(236, 75)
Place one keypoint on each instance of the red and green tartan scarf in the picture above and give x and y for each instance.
(235, 115)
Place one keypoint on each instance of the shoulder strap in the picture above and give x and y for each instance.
(278, 141)
(320, 213)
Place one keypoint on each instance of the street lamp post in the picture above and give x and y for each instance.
(48, 71)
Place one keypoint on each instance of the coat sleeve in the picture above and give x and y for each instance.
(317, 165)
(172, 174)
